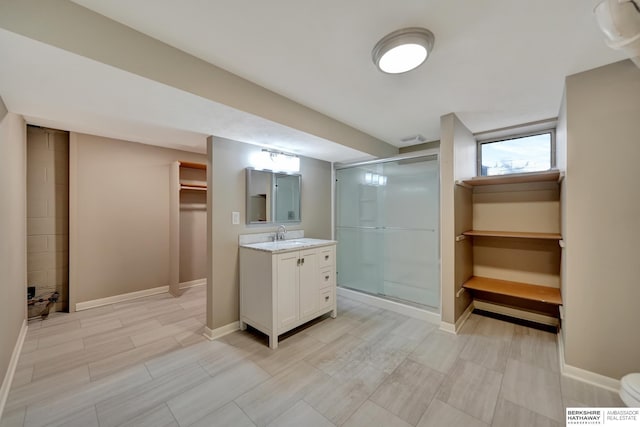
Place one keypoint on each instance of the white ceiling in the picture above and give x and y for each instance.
(496, 63)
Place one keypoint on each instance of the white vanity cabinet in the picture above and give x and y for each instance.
(283, 285)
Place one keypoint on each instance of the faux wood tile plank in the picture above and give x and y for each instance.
(337, 354)
(440, 414)
(195, 403)
(538, 348)
(509, 414)
(47, 387)
(83, 357)
(473, 389)
(408, 391)
(221, 357)
(268, 400)
(164, 331)
(105, 337)
(65, 404)
(533, 388)
(84, 418)
(123, 360)
(176, 360)
(52, 340)
(45, 354)
(487, 352)
(330, 329)
(588, 395)
(160, 416)
(439, 351)
(229, 415)
(336, 400)
(289, 351)
(301, 414)
(372, 415)
(138, 400)
(13, 418)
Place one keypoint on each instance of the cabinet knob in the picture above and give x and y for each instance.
(326, 257)
(326, 278)
(326, 298)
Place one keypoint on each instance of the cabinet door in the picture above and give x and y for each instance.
(309, 283)
(287, 290)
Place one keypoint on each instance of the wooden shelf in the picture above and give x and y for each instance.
(194, 187)
(544, 294)
(516, 234)
(516, 178)
(193, 165)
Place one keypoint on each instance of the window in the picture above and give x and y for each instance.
(527, 153)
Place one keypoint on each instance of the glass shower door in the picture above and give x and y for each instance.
(388, 230)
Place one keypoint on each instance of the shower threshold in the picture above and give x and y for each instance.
(411, 309)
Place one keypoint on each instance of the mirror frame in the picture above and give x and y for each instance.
(272, 207)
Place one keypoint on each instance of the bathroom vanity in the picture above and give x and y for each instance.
(286, 283)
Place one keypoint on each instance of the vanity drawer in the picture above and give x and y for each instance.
(326, 298)
(327, 278)
(327, 257)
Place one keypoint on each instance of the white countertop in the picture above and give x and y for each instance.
(288, 245)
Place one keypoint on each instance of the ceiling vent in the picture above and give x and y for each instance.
(414, 139)
(619, 20)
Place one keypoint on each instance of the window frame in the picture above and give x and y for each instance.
(480, 142)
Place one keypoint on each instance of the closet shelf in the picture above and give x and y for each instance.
(193, 165)
(516, 178)
(516, 234)
(193, 187)
(544, 294)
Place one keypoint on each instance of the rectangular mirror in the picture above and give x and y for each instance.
(272, 197)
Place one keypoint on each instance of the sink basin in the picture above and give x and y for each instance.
(283, 245)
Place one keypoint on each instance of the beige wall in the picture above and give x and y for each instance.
(457, 161)
(119, 216)
(229, 160)
(601, 291)
(48, 213)
(13, 232)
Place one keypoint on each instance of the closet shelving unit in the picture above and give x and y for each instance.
(190, 184)
(185, 177)
(515, 292)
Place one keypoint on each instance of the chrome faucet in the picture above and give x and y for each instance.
(282, 231)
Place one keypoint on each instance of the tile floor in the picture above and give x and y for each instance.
(146, 363)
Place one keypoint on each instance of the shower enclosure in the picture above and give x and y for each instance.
(388, 228)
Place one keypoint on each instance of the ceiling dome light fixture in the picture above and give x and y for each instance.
(403, 50)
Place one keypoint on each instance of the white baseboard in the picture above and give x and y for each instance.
(213, 334)
(11, 369)
(120, 298)
(396, 307)
(514, 312)
(193, 283)
(583, 375)
(455, 328)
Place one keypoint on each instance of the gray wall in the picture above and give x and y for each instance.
(230, 159)
(119, 215)
(602, 214)
(13, 232)
(457, 161)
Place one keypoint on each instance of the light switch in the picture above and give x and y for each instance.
(235, 218)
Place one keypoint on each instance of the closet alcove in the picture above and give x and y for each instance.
(188, 240)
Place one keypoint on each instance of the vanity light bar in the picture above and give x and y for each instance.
(275, 161)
